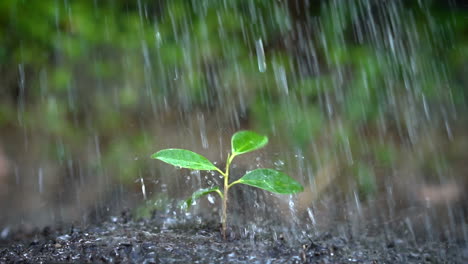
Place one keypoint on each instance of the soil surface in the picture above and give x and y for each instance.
(122, 240)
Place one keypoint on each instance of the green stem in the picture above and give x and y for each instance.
(220, 194)
(228, 164)
(221, 172)
(233, 183)
(225, 197)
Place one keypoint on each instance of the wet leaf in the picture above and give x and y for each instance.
(199, 193)
(184, 158)
(272, 181)
(246, 141)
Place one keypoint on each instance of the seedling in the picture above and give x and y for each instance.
(241, 142)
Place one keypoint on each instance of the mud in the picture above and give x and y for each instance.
(123, 240)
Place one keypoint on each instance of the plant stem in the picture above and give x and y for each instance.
(228, 164)
(225, 196)
(233, 183)
(221, 172)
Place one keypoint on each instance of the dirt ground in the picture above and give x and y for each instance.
(123, 240)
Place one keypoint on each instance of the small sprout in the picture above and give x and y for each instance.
(241, 142)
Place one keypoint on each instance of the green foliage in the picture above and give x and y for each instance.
(184, 158)
(241, 142)
(246, 141)
(272, 181)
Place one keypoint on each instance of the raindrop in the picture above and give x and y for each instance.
(281, 79)
(279, 164)
(21, 85)
(143, 188)
(310, 212)
(409, 225)
(357, 202)
(211, 199)
(204, 138)
(64, 238)
(260, 55)
(40, 178)
(158, 38)
(5, 232)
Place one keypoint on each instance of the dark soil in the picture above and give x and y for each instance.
(122, 240)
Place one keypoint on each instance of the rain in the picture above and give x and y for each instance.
(362, 102)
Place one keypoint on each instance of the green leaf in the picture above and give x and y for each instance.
(184, 158)
(272, 181)
(246, 141)
(202, 192)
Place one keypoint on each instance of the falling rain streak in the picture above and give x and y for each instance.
(261, 60)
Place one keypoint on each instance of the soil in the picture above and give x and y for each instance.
(123, 240)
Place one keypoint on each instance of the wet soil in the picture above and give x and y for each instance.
(122, 240)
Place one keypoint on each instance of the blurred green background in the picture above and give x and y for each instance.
(348, 91)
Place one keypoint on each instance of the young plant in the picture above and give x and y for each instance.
(241, 142)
